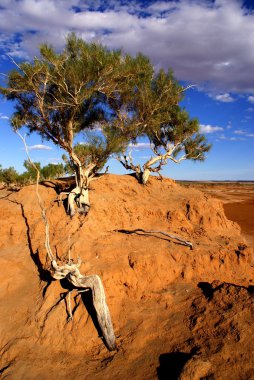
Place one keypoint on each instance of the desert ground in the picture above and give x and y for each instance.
(238, 202)
(178, 313)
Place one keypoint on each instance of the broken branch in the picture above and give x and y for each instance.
(182, 241)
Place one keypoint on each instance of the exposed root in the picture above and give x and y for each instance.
(71, 273)
(70, 270)
(182, 241)
(78, 195)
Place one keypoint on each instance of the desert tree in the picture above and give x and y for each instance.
(52, 171)
(58, 95)
(8, 175)
(172, 134)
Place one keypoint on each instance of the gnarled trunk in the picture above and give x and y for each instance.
(80, 193)
(71, 272)
(81, 197)
(142, 176)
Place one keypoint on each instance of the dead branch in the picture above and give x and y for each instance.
(127, 162)
(40, 201)
(187, 88)
(182, 241)
(94, 283)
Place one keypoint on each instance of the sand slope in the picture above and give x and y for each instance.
(174, 310)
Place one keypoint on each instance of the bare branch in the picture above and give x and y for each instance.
(43, 211)
(15, 63)
(187, 88)
(182, 241)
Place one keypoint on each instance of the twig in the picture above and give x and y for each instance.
(190, 86)
(15, 63)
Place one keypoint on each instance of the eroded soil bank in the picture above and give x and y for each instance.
(238, 201)
(177, 313)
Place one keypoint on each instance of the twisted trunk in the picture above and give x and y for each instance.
(80, 193)
(142, 176)
(71, 272)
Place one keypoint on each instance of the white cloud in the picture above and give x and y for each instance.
(140, 145)
(203, 41)
(225, 98)
(39, 147)
(250, 99)
(209, 128)
(240, 132)
(3, 117)
(237, 139)
(250, 135)
(56, 161)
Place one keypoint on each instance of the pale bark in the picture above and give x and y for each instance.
(80, 193)
(145, 176)
(71, 272)
(81, 196)
(177, 238)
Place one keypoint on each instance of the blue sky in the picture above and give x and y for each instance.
(207, 43)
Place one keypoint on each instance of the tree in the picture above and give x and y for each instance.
(173, 135)
(52, 171)
(8, 175)
(31, 173)
(61, 94)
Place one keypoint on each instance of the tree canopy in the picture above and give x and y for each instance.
(111, 99)
(61, 94)
(169, 128)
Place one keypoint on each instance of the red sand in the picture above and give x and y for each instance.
(238, 199)
(175, 310)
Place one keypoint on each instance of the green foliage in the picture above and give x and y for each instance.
(61, 94)
(11, 176)
(31, 173)
(8, 175)
(86, 88)
(180, 135)
(52, 171)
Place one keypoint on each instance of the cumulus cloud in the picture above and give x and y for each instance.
(39, 147)
(225, 98)
(203, 41)
(3, 117)
(251, 99)
(209, 128)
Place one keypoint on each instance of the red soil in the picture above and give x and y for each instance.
(176, 311)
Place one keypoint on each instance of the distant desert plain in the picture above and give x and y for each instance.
(238, 202)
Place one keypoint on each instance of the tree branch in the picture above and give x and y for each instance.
(182, 241)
